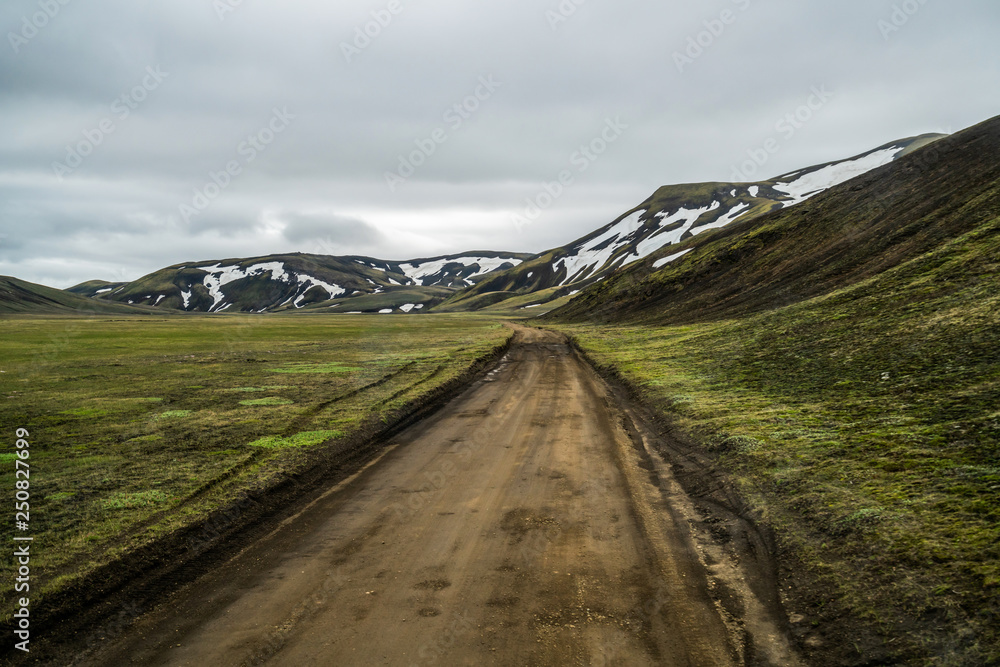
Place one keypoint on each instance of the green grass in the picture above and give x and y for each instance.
(128, 501)
(864, 425)
(332, 367)
(271, 400)
(85, 412)
(173, 414)
(270, 387)
(306, 439)
(111, 472)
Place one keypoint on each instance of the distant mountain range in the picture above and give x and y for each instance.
(297, 281)
(477, 280)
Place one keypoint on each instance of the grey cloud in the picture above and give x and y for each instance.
(354, 120)
(331, 230)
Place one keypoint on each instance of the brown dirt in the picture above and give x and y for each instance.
(530, 521)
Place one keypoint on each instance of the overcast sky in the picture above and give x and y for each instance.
(116, 114)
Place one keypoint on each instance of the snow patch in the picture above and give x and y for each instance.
(817, 181)
(686, 216)
(407, 307)
(666, 260)
(724, 220)
(754, 189)
(187, 298)
(588, 258)
(102, 291)
(385, 311)
(416, 272)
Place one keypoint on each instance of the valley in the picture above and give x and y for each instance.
(748, 423)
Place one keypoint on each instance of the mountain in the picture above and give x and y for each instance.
(673, 214)
(94, 288)
(19, 296)
(839, 358)
(478, 280)
(296, 281)
(886, 218)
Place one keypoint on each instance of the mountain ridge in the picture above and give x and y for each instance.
(292, 281)
(672, 214)
(848, 233)
(477, 280)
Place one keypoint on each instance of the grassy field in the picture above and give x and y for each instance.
(140, 425)
(865, 427)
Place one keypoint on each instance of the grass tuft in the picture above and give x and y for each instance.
(270, 400)
(304, 439)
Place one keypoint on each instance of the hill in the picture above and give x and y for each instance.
(839, 361)
(847, 234)
(19, 296)
(673, 214)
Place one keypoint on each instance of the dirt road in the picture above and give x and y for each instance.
(526, 523)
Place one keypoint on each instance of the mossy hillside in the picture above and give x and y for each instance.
(865, 426)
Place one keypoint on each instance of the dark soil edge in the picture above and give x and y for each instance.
(844, 640)
(101, 606)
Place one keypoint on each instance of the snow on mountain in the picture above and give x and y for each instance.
(660, 263)
(218, 275)
(596, 252)
(294, 281)
(813, 182)
(670, 216)
(418, 271)
(668, 227)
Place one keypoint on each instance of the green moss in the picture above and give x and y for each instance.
(304, 439)
(270, 387)
(270, 400)
(331, 367)
(173, 414)
(134, 500)
(85, 412)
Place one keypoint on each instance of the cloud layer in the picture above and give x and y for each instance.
(141, 135)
